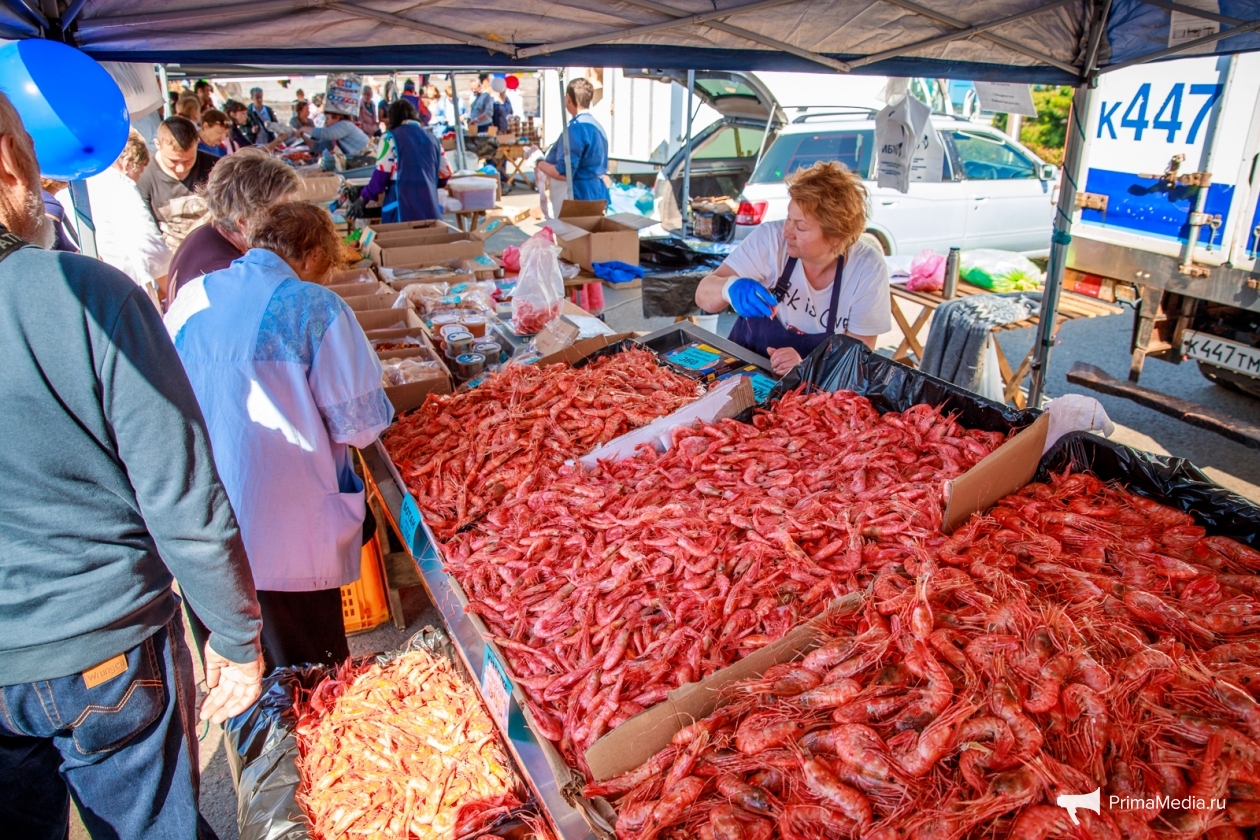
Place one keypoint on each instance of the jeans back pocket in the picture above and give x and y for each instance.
(117, 709)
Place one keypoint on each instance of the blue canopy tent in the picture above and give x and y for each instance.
(1066, 42)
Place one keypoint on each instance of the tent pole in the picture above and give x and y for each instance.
(83, 212)
(459, 121)
(1073, 155)
(564, 135)
(686, 189)
(166, 94)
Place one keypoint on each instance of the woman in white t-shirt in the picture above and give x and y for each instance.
(795, 283)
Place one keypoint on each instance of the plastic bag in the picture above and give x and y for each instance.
(927, 272)
(539, 295)
(999, 271)
(511, 259)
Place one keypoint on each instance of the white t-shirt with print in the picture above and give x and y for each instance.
(864, 306)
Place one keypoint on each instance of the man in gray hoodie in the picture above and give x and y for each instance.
(108, 493)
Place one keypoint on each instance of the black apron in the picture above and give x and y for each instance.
(758, 334)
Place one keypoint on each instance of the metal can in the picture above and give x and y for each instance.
(468, 365)
(951, 273)
(491, 350)
(460, 342)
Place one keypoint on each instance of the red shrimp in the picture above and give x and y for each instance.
(1039, 822)
(812, 822)
(976, 757)
(1004, 703)
(828, 696)
(671, 807)
(824, 784)
(1156, 612)
(1043, 694)
(934, 742)
(731, 823)
(934, 699)
(1084, 705)
(627, 782)
(766, 729)
(751, 797)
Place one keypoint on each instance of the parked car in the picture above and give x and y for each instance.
(994, 193)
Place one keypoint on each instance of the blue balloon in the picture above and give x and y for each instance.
(72, 108)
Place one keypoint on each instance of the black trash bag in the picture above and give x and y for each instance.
(846, 363)
(1170, 481)
(671, 294)
(262, 750)
(671, 253)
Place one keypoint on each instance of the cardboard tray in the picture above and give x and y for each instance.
(413, 394)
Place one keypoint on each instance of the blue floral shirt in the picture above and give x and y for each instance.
(287, 382)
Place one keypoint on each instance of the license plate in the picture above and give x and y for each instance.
(1222, 352)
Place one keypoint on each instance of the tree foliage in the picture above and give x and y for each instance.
(1046, 134)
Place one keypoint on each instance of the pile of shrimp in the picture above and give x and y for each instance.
(1077, 637)
(400, 750)
(460, 453)
(609, 588)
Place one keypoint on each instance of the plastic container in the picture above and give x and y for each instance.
(491, 350)
(475, 324)
(474, 193)
(441, 319)
(365, 603)
(468, 365)
(459, 342)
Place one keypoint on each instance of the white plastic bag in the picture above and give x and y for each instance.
(539, 294)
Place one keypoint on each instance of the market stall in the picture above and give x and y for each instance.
(595, 529)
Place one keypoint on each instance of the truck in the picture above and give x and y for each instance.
(1168, 217)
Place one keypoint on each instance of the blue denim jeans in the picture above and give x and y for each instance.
(125, 749)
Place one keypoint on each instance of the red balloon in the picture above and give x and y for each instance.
(513, 82)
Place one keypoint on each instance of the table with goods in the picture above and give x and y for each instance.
(697, 602)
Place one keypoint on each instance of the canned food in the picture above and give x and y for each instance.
(460, 342)
(468, 365)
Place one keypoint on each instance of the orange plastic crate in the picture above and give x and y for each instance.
(364, 603)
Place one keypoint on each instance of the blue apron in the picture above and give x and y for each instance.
(758, 334)
(412, 194)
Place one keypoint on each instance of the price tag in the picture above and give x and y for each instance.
(496, 688)
(693, 358)
(761, 385)
(409, 524)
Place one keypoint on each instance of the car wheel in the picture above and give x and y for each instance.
(876, 241)
(1228, 379)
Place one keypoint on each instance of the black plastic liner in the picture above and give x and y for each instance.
(1171, 481)
(846, 363)
(262, 751)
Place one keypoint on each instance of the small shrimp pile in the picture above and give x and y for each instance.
(1077, 637)
(460, 453)
(610, 588)
(400, 750)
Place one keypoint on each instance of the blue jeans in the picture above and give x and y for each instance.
(125, 749)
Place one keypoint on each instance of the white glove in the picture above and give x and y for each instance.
(1075, 413)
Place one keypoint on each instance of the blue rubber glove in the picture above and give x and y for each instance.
(749, 298)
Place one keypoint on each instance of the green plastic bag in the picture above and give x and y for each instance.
(1000, 271)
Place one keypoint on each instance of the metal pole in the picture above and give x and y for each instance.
(459, 121)
(686, 189)
(564, 135)
(83, 213)
(765, 135)
(1014, 123)
(166, 94)
(1073, 155)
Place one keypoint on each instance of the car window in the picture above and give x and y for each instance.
(984, 157)
(730, 142)
(790, 152)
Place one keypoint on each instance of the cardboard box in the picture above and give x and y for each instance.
(587, 236)
(373, 321)
(453, 276)
(354, 290)
(351, 275)
(413, 394)
(422, 248)
(579, 350)
(393, 229)
(367, 303)
(320, 188)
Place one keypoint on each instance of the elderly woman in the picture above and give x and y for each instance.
(239, 187)
(288, 383)
(797, 282)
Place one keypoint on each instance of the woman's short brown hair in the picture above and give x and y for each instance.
(213, 116)
(243, 183)
(295, 231)
(834, 197)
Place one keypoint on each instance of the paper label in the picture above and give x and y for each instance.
(343, 94)
(106, 671)
(1006, 98)
(496, 688)
(1184, 28)
(693, 358)
(409, 524)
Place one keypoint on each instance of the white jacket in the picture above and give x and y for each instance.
(126, 236)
